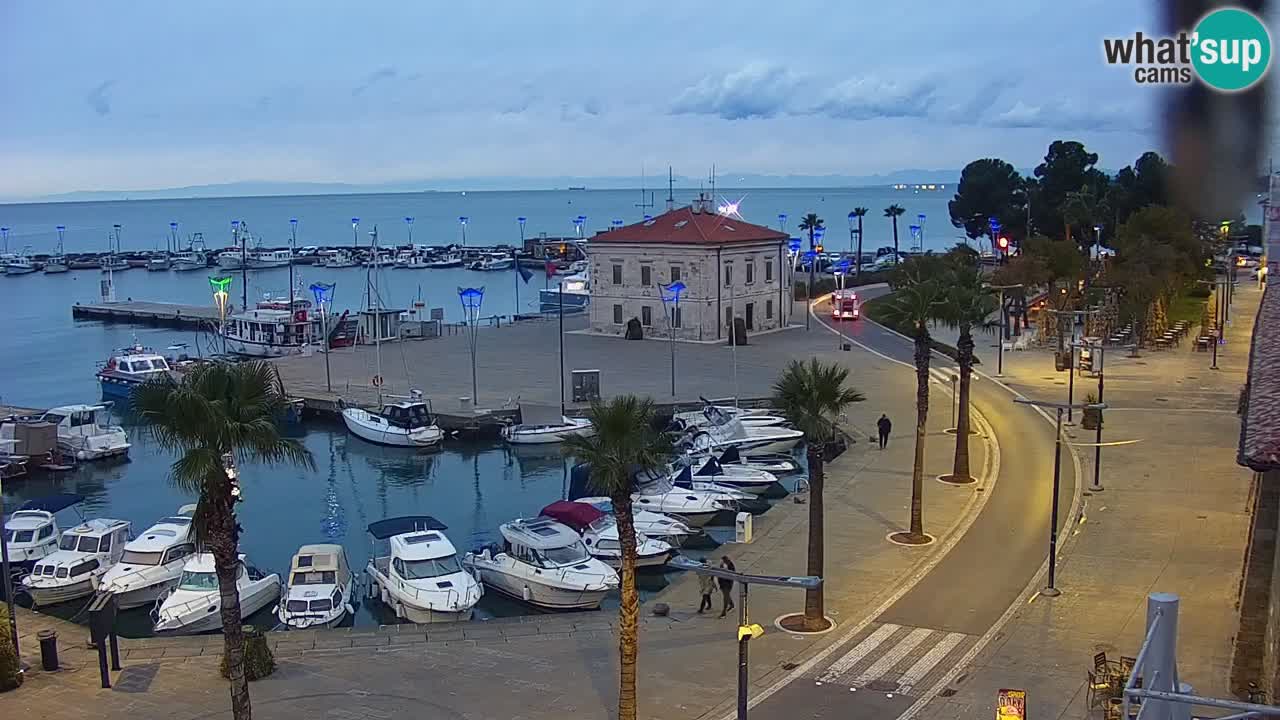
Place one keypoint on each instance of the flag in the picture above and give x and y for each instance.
(551, 268)
(524, 273)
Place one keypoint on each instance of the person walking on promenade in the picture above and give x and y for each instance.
(726, 586)
(885, 426)
(706, 586)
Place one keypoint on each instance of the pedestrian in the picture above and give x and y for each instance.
(885, 426)
(707, 586)
(726, 586)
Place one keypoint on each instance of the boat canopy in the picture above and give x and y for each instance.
(574, 514)
(541, 533)
(391, 527)
(711, 468)
(52, 503)
(730, 455)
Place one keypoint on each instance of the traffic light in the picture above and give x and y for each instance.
(1003, 242)
(819, 247)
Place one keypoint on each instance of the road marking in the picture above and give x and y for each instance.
(863, 649)
(886, 662)
(917, 672)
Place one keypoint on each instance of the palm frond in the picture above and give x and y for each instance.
(813, 396)
(624, 443)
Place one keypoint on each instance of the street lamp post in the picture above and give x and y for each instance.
(671, 303)
(462, 221)
(1097, 357)
(782, 222)
(920, 224)
(853, 228)
(1216, 335)
(515, 262)
(472, 298)
(321, 291)
(408, 223)
(1004, 329)
(561, 314)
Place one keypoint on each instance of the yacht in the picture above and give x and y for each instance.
(576, 292)
(31, 532)
(544, 563)
(273, 329)
(340, 259)
(159, 262)
(261, 259)
(647, 523)
(84, 433)
(447, 260)
(695, 507)
(20, 264)
(776, 463)
(130, 367)
(193, 258)
(417, 573)
(599, 533)
(404, 423)
(684, 479)
(152, 562)
(72, 571)
(747, 416)
(493, 261)
(320, 588)
(194, 604)
(533, 434)
(721, 430)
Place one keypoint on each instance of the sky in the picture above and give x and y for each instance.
(139, 94)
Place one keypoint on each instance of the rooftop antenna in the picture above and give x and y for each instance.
(644, 206)
(671, 198)
(713, 182)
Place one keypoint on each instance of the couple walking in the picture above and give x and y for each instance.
(707, 585)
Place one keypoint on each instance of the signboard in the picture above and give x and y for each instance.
(1011, 704)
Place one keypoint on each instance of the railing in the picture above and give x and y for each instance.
(453, 598)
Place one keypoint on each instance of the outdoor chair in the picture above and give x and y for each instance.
(1099, 690)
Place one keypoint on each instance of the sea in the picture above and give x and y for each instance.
(49, 359)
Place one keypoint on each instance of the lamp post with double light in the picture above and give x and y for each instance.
(472, 298)
(322, 292)
(462, 223)
(671, 303)
(515, 263)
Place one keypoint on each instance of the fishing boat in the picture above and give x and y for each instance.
(84, 554)
(274, 328)
(265, 259)
(320, 588)
(417, 574)
(194, 604)
(543, 563)
(410, 260)
(193, 258)
(492, 261)
(447, 260)
(128, 368)
(57, 263)
(31, 532)
(599, 532)
(230, 260)
(20, 264)
(340, 259)
(152, 562)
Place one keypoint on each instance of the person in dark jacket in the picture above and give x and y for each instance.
(726, 586)
(706, 586)
(885, 426)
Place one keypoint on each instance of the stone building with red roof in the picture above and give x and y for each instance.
(730, 269)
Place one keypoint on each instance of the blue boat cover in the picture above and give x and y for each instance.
(390, 527)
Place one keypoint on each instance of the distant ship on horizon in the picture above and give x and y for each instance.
(926, 187)
(577, 187)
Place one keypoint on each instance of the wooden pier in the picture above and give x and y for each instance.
(153, 314)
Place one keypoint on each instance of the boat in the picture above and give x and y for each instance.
(152, 562)
(577, 293)
(748, 416)
(599, 533)
(410, 260)
(707, 468)
(320, 588)
(403, 423)
(261, 259)
(84, 554)
(695, 508)
(194, 257)
(31, 532)
(114, 263)
(159, 262)
(20, 264)
(776, 463)
(57, 263)
(534, 434)
(417, 574)
(545, 564)
(194, 604)
(492, 261)
(230, 259)
(340, 259)
(447, 260)
(722, 430)
(648, 523)
(128, 368)
(274, 328)
(83, 433)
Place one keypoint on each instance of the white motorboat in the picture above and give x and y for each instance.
(489, 262)
(417, 573)
(448, 260)
(695, 507)
(648, 523)
(128, 368)
(410, 260)
(159, 262)
(404, 423)
(31, 533)
(748, 416)
(193, 258)
(152, 562)
(721, 431)
(708, 469)
(84, 554)
(599, 533)
(194, 605)
(320, 588)
(340, 259)
(544, 563)
(683, 479)
(56, 264)
(576, 289)
(776, 463)
(20, 264)
(260, 259)
(83, 432)
(230, 259)
(535, 434)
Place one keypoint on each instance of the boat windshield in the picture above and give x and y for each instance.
(566, 555)
(85, 544)
(20, 536)
(198, 581)
(422, 569)
(319, 577)
(134, 557)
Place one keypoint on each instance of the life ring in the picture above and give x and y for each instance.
(377, 381)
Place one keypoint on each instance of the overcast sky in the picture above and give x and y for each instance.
(138, 94)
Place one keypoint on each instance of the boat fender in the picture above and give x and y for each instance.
(526, 594)
(399, 611)
(350, 610)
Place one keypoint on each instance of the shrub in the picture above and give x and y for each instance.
(10, 678)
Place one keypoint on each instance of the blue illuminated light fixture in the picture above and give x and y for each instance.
(472, 298)
(408, 223)
(782, 222)
(323, 293)
(671, 303)
(4, 232)
(462, 223)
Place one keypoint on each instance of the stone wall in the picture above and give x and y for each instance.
(1256, 657)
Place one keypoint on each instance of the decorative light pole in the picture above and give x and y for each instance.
(244, 263)
(671, 303)
(62, 229)
(782, 222)
(173, 236)
(322, 292)
(472, 298)
(462, 222)
(515, 263)
(853, 228)
(4, 232)
(220, 296)
(616, 223)
(408, 223)
(578, 222)
(920, 223)
(355, 233)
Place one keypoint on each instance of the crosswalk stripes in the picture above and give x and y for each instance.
(942, 375)
(896, 658)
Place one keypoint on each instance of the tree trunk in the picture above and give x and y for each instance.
(895, 239)
(814, 607)
(964, 356)
(223, 543)
(922, 419)
(629, 609)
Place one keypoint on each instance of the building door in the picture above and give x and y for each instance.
(751, 316)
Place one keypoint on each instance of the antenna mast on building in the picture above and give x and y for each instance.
(671, 198)
(644, 206)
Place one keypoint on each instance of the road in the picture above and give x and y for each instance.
(904, 652)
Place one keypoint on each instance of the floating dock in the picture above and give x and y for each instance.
(153, 314)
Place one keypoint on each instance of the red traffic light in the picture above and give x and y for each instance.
(1003, 242)
(819, 248)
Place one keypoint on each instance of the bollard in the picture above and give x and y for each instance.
(48, 650)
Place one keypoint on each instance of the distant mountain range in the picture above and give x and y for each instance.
(727, 180)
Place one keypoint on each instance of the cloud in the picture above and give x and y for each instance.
(1064, 115)
(759, 90)
(373, 78)
(866, 98)
(98, 99)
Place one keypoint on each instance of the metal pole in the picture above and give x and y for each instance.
(742, 652)
(953, 402)
(671, 336)
(1052, 590)
(515, 261)
(1071, 382)
(475, 393)
(1097, 447)
(561, 348)
(1000, 352)
(8, 581)
(324, 323)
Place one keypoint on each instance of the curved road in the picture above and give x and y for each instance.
(908, 647)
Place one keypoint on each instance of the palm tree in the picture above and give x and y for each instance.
(859, 212)
(917, 302)
(811, 223)
(624, 443)
(968, 304)
(216, 417)
(892, 212)
(813, 396)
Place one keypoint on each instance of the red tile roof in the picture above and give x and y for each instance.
(683, 226)
(1260, 428)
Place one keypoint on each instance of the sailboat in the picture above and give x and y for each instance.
(405, 422)
(57, 263)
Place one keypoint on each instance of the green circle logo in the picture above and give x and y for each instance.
(1231, 49)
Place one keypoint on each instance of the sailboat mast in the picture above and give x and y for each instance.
(375, 311)
(293, 242)
(244, 270)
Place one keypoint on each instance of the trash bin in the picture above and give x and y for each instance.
(742, 527)
(48, 649)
